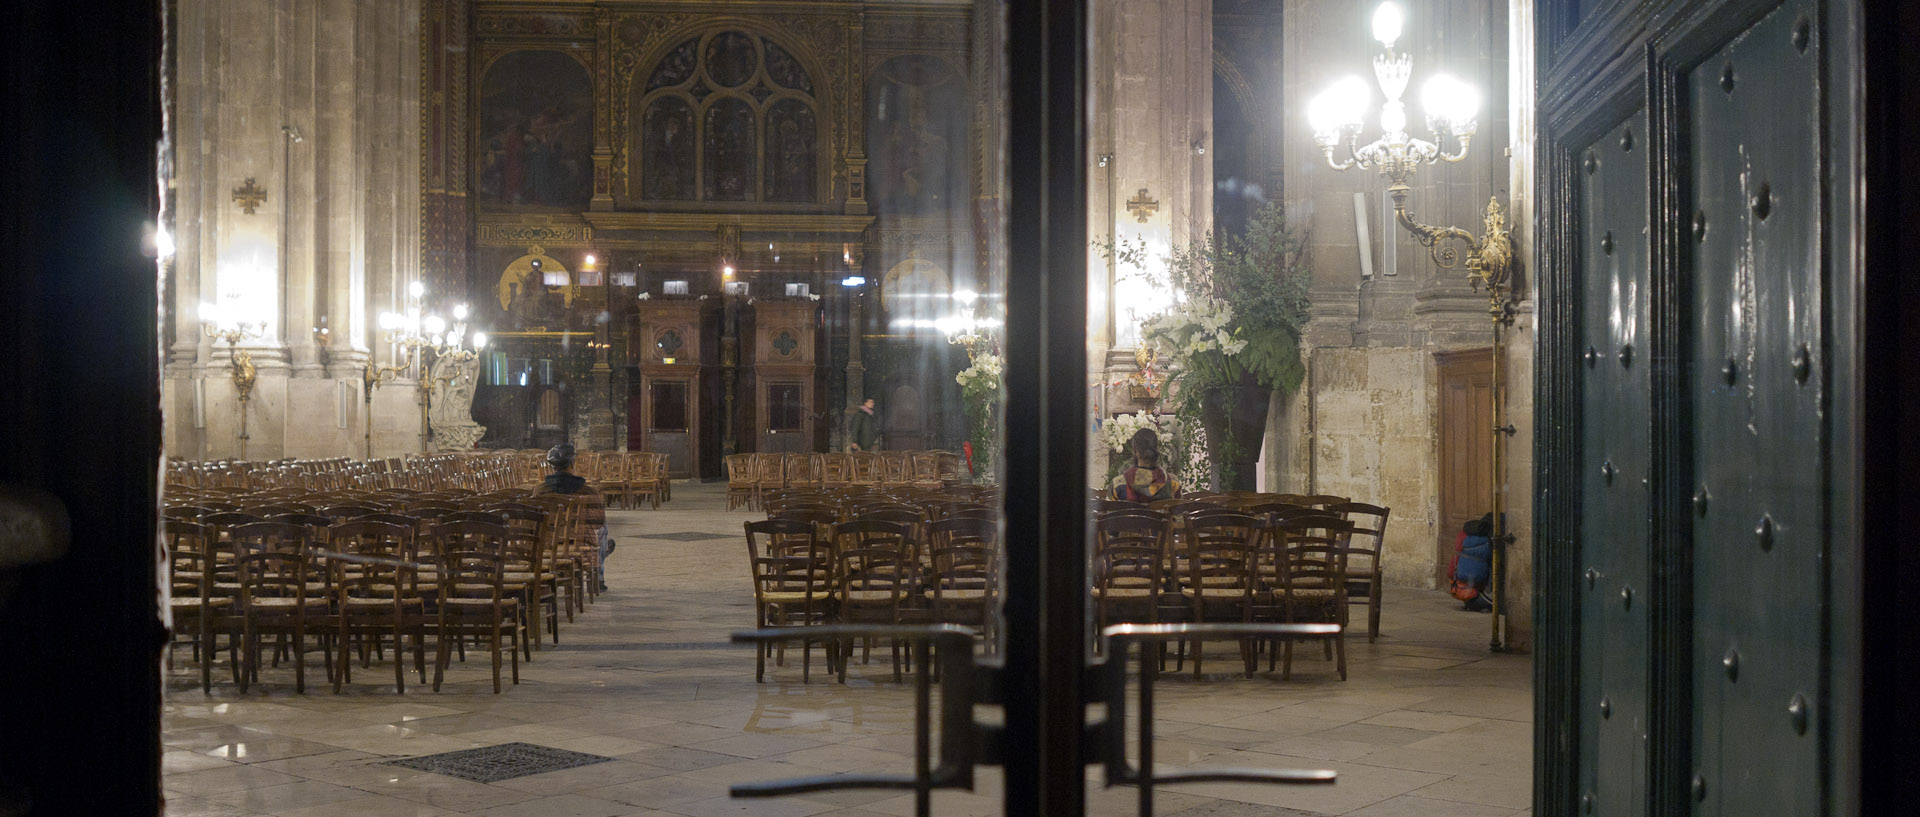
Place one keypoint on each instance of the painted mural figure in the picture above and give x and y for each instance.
(535, 134)
(916, 124)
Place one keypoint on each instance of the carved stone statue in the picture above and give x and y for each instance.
(451, 414)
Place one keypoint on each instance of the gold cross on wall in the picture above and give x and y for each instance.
(249, 196)
(1141, 207)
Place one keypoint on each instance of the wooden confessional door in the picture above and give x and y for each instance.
(1684, 518)
(1466, 446)
(668, 391)
(783, 365)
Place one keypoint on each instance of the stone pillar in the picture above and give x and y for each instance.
(1151, 139)
(340, 205)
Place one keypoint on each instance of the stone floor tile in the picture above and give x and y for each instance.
(1414, 806)
(233, 777)
(768, 807)
(565, 805)
(276, 799)
(184, 806)
(1511, 792)
(370, 807)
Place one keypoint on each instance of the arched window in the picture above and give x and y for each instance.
(728, 116)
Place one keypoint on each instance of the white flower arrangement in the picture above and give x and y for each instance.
(1117, 431)
(983, 375)
(1192, 328)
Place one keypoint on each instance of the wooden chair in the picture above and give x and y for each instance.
(192, 554)
(769, 475)
(1129, 567)
(792, 570)
(1310, 558)
(965, 575)
(473, 597)
(836, 470)
(865, 468)
(1217, 576)
(924, 469)
(663, 481)
(896, 468)
(376, 595)
(642, 479)
(1365, 547)
(800, 471)
(281, 593)
(875, 577)
(740, 484)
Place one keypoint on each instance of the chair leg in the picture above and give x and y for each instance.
(496, 652)
(1373, 610)
(1340, 649)
(399, 659)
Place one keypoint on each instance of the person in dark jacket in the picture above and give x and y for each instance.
(863, 428)
(564, 481)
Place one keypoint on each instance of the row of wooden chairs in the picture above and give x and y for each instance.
(626, 478)
(873, 570)
(463, 566)
(1218, 564)
(752, 477)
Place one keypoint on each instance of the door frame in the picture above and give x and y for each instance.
(1443, 361)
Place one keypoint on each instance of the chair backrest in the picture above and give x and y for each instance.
(1311, 552)
(191, 557)
(1130, 549)
(836, 469)
(1218, 552)
(1369, 533)
(271, 537)
(873, 555)
(345, 512)
(799, 469)
(769, 470)
(926, 467)
(739, 470)
(787, 556)
(455, 537)
(381, 560)
(895, 467)
(1322, 500)
(965, 553)
(866, 467)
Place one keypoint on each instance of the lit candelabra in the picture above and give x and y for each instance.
(216, 323)
(1450, 105)
(1337, 116)
(419, 341)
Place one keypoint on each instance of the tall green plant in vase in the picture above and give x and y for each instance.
(1229, 339)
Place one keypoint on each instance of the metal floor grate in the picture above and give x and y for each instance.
(503, 762)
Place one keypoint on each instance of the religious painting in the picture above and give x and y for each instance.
(535, 132)
(791, 138)
(526, 298)
(667, 150)
(730, 156)
(917, 136)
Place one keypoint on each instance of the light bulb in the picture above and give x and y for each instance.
(726, 271)
(1387, 22)
(479, 340)
(434, 324)
(416, 289)
(1449, 101)
(966, 296)
(460, 312)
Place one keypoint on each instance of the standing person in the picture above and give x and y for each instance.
(863, 430)
(564, 481)
(1145, 480)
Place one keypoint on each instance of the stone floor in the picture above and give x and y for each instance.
(1428, 724)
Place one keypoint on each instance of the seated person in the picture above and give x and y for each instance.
(564, 481)
(1145, 480)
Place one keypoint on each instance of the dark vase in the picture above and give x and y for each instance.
(1235, 419)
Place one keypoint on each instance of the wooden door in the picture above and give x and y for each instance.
(1466, 446)
(1692, 550)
